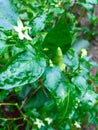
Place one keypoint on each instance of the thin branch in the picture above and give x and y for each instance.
(8, 119)
(29, 95)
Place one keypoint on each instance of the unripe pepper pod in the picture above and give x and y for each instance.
(59, 59)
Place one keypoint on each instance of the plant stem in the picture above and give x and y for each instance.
(29, 95)
(82, 14)
(8, 119)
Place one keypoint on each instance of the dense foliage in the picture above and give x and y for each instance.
(45, 80)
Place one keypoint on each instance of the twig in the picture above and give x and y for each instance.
(8, 119)
(82, 14)
(23, 116)
(29, 95)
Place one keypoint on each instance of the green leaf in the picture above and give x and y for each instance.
(25, 91)
(80, 44)
(80, 83)
(37, 100)
(52, 78)
(55, 82)
(39, 23)
(87, 6)
(90, 98)
(24, 68)
(59, 36)
(3, 95)
(92, 1)
(71, 59)
(8, 15)
(56, 10)
(3, 47)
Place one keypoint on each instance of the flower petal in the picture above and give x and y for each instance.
(26, 35)
(16, 28)
(21, 35)
(20, 24)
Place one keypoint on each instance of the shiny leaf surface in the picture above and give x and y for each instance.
(59, 36)
(8, 15)
(25, 68)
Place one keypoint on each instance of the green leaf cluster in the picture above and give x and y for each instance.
(45, 80)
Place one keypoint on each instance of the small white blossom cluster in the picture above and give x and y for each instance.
(49, 120)
(23, 31)
(77, 124)
(40, 123)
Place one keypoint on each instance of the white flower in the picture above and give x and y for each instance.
(22, 31)
(77, 124)
(49, 120)
(39, 123)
